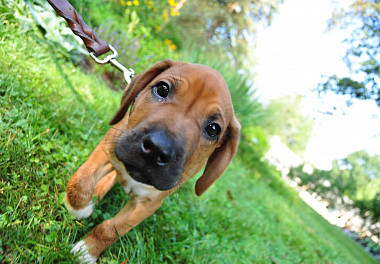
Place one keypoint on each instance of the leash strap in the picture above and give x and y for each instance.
(93, 43)
(79, 27)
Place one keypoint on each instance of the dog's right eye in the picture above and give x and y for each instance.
(213, 130)
(161, 89)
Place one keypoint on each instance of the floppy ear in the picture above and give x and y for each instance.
(220, 158)
(138, 83)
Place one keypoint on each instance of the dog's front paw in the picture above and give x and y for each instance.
(80, 213)
(80, 249)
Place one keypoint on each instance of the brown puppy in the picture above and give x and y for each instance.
(180, 117)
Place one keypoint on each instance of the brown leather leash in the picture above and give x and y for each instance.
(93, 43)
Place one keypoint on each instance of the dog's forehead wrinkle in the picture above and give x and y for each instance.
(197, 72)
(176, 75)
(173, 74)
(199, 98)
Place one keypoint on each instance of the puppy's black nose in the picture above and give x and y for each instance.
(157, 148)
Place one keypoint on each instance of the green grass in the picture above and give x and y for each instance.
(53, 115)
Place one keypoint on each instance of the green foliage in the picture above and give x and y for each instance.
(56, 31)
(362, 58)
(39, 14)
(253, 146)
(284, 117)
(320, 181)
(356, 177)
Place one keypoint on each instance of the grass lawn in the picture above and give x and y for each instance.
(53, 115)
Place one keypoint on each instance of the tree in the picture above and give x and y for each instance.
(363, 57)
(357, 176)
(284, 117)
(229, 25)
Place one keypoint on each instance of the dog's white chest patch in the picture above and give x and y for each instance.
(134, 187)
(138, 188)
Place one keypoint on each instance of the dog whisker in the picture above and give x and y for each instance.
(107, 143)
(118, 129)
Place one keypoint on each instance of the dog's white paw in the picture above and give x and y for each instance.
(81, 250)
(81, 213)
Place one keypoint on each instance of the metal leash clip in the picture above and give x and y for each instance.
(128, 73)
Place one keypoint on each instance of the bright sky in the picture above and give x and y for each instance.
(292, 55)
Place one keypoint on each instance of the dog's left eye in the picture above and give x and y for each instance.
(161, 89)
(213, 130)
